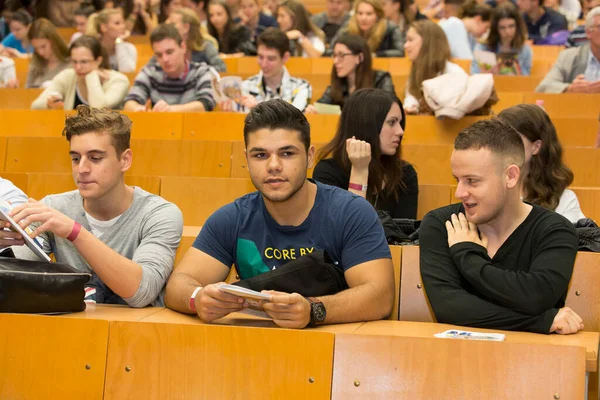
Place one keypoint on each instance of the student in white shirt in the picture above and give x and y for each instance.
(8, 73)
(463, 32)
(546, 177)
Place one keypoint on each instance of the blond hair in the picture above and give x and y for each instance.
(97, 19)
(375, 35)
(195, 40)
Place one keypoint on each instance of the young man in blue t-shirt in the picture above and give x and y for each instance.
(287, 217)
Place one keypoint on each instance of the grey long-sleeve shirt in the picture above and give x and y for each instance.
(148, 233)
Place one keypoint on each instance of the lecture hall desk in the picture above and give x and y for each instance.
(236, 357)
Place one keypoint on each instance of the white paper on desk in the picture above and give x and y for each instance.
(332, 109)
(467, 335)
(255, 313)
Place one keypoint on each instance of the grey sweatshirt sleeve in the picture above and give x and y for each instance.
(161, 234)
(214, 60)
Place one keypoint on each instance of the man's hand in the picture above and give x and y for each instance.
(212, 303)
(288, 310)
(359, 153)
(50, 220)
(161, 106)
(579, 85)
(55, 103)
(566, 322)
(310, 109)
(461, 230)
(249, 102)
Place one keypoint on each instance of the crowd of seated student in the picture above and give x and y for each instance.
(336, 15)
(306, 40)
(352, 70)
(233, 39)
(545, 176)
(364, 155)
(198, 49)
(577, 69)
(169, 82)
(109, 26)
(90, 81)
(383, 37)
(463, 31)
(506, 39)
(50, 56)
(273, 81)
(16, 44)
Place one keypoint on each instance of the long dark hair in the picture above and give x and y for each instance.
(507, 11)
(548, 175)
(230, 27)
(363, 117)
(364, 71)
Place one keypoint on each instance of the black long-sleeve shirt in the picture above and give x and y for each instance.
(521, 288)
(328, 171)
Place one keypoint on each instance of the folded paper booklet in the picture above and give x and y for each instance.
(332, 109)
(454, 334)
(254, 299)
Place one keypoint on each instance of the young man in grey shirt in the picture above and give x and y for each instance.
(124, 235)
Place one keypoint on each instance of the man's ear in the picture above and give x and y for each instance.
(126, 160)
(286, 57)
(513, 173)
(311, 156)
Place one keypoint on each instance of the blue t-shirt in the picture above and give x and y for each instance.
(12, 42)
(244, 233)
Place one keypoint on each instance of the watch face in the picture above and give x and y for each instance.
(319, 312)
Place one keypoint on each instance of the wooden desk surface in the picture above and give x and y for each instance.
(242, 320)
(113, 312)
(589, 340)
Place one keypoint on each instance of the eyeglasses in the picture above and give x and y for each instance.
(340, 56)
(81, 62)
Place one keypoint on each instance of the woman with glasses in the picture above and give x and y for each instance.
(50, 56)
(364, 157)
(507, 41)
(352, 70)
(89, 81)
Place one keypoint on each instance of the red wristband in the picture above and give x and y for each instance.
(356, 186)
(75, 232)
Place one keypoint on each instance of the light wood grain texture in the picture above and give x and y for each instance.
(38, 154)
(571, 105)
(114, 312)
(18, 98)
(45, 357)
(587, 340)
(583, 295)
(589, 201)
(183, 361)
(430, 368)
(414, 305)
(432, 197)
(146, 125)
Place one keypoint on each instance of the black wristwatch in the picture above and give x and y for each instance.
(317, 311)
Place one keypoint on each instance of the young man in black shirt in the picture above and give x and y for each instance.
(493, 261)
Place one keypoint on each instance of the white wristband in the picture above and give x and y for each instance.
(193, 298)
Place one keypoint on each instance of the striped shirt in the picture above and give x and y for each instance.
(295, 91)
(195, 85)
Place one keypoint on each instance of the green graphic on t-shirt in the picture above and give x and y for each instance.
(248, 259)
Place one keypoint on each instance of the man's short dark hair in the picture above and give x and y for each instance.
(88, 119)
(277, 114)
(274, 38)
(495, 135)
(165, 31)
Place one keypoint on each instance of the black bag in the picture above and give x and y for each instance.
(312, 275)
(40, 287)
